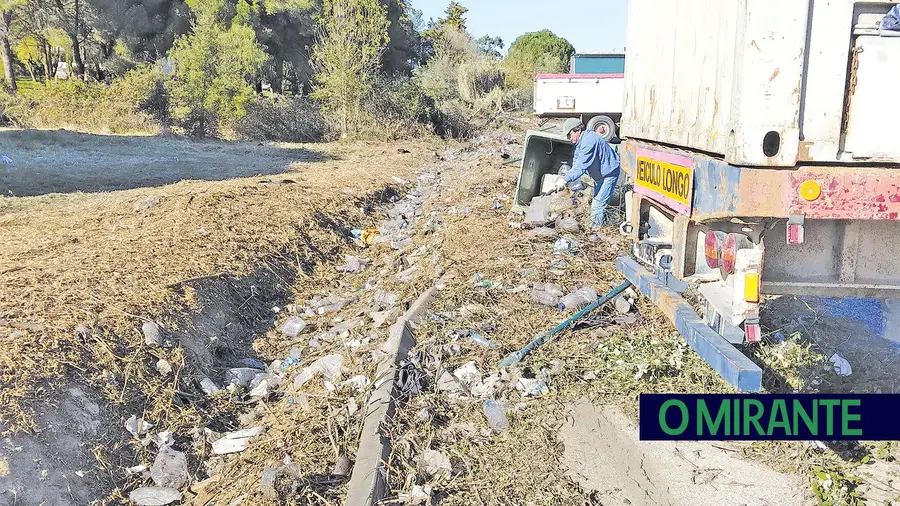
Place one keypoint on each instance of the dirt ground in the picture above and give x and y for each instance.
(227, 242)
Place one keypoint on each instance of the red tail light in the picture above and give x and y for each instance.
(730, 247)
(713, 248)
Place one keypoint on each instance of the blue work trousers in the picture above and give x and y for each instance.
(603, 192)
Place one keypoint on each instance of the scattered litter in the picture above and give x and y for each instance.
(163, 367)
(328, 366)
(359, 383)
(256, 364)
(293, 326)
(538, 213)
(402, 244)
(468, 374)
(354, 264)
(435, 463)
(495, 415)
(777, 337)
(235, 442)
(262, 385)
(346, 326)
(420, 494)
(841, 365)
(386, 299)
(622, 305)
(494, 285)
(170, 469)
(578, 299)
(527, 272)
(267, 483)
(208, 386)
(241, 376)
(137, 426)
(543, 233)
(566, 246)
(152, 336)
(449, 384)
(367, 236)
(407, 275)
(136, 469)
(380, 318)
(567, 224)
(625, 319)
(154, 496)
(558, 267)
(475, 337)
(547, 294)
(532, 387)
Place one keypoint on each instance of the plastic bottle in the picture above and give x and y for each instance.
(578, 299)
(495, 416)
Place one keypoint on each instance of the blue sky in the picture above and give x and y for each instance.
(590, 25)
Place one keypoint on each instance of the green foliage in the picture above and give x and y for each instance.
(454, 22)
(212, 66)
(490, 46)
(534, 53)
(354, 34)
(133, 104)
(834, 487)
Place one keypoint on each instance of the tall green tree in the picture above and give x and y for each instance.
(213, 65)
(352, 39)
(536, 52)
(490, 46)
(454, 20)
(9, 9)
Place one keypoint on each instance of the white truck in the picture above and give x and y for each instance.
(593, 91)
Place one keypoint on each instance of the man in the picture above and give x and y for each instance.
(593, 156)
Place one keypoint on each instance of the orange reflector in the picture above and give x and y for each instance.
(810, 190)
(751, 287)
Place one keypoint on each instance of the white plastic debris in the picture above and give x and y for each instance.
(208, 386)
(354, 264)
(263, 384)
(137, 426)
(386, 299)
(329, 367)
(170, 469)
(532, 387)
(538, 212)
(449, 384)
(468, 374)
(383, 317)
(435, 463)
(235, 442)
(241, 376)
(359, 382)
(136, 469)
(164, 439)
(152, 336)
(154, 496)
(841, 365)
(293, 326)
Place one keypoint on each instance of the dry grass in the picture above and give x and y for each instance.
(109, 261)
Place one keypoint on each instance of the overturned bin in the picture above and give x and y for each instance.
(543, 155)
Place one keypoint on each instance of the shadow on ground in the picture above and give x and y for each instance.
(65, 162)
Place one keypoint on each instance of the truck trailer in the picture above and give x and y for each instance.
(759, 138)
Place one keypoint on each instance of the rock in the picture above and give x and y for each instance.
(468, 374)
(293, 326)
(241, 376)
(137, 426)
(170, 469)
(342, 466)
(154, 496)
(435, 463)
(163, 367)
(235, 442)
(152, 336)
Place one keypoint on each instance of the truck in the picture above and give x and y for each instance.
(592, 91)
(762, 157)
(760, 160)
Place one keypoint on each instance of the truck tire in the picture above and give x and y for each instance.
(603, 125)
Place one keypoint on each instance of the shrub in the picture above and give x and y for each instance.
(281, 119)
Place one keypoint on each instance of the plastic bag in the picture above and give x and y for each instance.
(891, 20)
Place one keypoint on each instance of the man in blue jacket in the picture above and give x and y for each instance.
(595, 157)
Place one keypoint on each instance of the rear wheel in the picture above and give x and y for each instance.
(603, 125)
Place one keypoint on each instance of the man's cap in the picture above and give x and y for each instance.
(570, 124)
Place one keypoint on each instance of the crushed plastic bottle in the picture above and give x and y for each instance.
(495, 416)
(578, 299)
(546, 294)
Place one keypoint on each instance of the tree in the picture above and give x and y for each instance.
(70, 16)
(146, 28)
(212, 66)
(490, 46)
(536, 52)
(455, 21)
(8, 11)
(352, 39)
